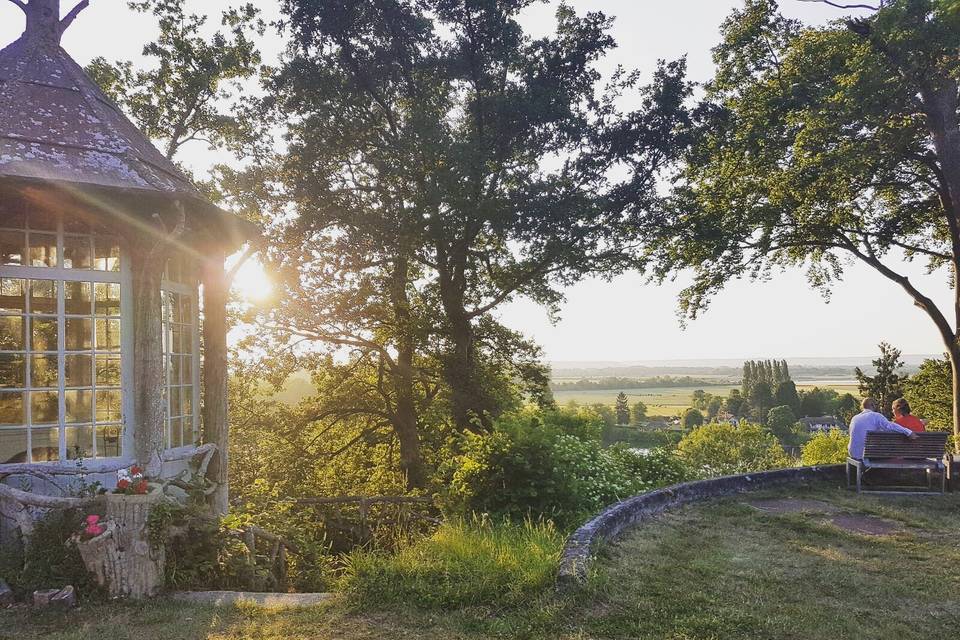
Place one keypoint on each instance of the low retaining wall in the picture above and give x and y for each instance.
(614, 520)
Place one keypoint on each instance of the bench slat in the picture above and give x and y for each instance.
(930, 444)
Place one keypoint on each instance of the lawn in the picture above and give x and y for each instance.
(736, 568)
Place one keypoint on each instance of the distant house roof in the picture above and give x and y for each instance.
(57, 125)
(826, 421)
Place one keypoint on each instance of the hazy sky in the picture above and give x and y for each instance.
(627, 319)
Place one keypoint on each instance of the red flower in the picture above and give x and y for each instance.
(140, 487)
(135, 470)
(93, 519)
(122, 484)
(94, 530)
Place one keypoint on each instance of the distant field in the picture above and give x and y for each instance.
(672, 401)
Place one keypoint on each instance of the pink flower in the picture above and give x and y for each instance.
(94, 530)
(93, 519)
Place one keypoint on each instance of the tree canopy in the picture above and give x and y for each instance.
(816, 145)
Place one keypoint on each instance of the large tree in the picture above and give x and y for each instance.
(486, 149)
(818, 144)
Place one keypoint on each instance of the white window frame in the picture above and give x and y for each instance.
(191, 289)
(62, 274)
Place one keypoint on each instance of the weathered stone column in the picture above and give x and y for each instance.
(216, 419)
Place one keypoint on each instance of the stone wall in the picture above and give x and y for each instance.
(614, 520)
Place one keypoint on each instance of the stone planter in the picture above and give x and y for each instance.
(121, 558)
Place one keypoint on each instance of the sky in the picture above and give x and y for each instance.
(628, 319)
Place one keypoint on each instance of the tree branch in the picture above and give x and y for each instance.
(846, 6)
(21, 4)
(70, 17)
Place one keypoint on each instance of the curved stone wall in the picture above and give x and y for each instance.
(614, 520)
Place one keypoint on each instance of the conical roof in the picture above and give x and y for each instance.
(57, 125)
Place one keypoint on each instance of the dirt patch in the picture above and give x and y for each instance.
(867, 525)
(792, 505)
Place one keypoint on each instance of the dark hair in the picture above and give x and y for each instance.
(901, 406)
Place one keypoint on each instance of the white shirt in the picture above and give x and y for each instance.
(865, 422)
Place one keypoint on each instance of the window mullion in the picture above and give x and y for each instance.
(61, 348)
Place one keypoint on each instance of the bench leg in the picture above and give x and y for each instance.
(847, 465)
(859, 476)
(929, 481)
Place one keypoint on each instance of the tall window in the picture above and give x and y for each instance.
(61, 352)
(181, 348)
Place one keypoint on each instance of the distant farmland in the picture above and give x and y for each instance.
(672, 401)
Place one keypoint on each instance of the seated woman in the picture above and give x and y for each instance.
(903, 417)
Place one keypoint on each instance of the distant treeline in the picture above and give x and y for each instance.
(601, 384)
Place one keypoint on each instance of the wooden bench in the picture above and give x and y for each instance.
(885, 450)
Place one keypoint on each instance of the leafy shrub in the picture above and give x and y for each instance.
(825, 448)
(718, 449)
(464, 563)
(50, 560)
(655, 468)
(534, 464)
(550, 465)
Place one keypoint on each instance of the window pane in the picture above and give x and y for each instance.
(43, 334)
(77, 334)
(176, 435)
(11, 333)
(11, 247)
(43, 371)
(13, 298)
(175, 401)
(108, 371)
(108, 299)
(43, 249)
(44, 407)
(79, 405)
(11, 408)
(43, 221)
(11, 215)
(12, 370)
(77, 252)
(186, 371)
(46, 444)
(77, 370)
(186, 400)
(108, 406)
(79, 443)
(43, 296)
(76, 298)
(109, 441)
(108, 335)
(106, 254)
(13, 446)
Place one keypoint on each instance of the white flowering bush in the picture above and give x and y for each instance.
(547, 464)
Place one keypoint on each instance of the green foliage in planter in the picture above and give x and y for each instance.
(464, 563)
(50, 560)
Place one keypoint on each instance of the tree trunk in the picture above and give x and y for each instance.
(941, 101)
(216, 419)
(122, 559)
(148, 366)
(470, 406)
(405, 418)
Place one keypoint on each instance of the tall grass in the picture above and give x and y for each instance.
(464, 563)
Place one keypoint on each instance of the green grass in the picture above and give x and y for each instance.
(712, 571)
(461, 564)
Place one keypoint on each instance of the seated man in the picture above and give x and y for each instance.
(903, 417)
(869, 420)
